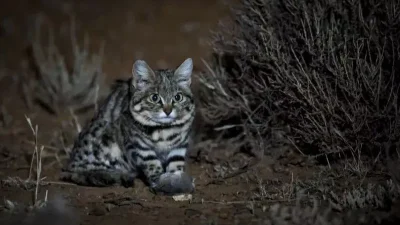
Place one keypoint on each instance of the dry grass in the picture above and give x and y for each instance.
(35, 168)
(40, 211)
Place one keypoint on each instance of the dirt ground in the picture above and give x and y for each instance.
(163, 33)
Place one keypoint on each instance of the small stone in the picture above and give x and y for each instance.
(109, 207)
(182, 197)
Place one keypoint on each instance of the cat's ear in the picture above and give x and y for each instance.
(184, 72)
(142, 74)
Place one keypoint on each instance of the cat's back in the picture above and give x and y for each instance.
(115, 102)
(109, 112)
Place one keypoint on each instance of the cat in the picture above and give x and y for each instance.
(143, 129)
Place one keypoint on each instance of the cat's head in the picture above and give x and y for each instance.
(162, 97)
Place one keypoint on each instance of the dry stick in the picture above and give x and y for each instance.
(96, 104)
(34, 131)
(75, 118)
(35, 152)
(38, 171)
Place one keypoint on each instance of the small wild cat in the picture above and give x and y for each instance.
(143, 128)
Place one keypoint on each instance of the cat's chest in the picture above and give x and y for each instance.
(166, 139)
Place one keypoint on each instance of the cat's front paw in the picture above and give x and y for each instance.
(173, 183)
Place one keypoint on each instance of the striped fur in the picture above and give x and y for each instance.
(143, 128)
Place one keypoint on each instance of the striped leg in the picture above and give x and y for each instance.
(175, 160)
(175, 180)
(147, 161)
(152, 170)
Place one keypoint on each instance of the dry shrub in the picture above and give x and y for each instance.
(60, 86)
(320, 75)
(352, 206)
(291, 215)
(279, 214)
(374, 195)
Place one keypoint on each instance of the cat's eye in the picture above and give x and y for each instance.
(178, 97)
(155, 98)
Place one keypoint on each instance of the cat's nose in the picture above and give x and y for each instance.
(167, 109)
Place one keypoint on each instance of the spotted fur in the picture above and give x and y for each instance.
(143, 129)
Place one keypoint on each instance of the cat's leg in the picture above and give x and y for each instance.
(176, 160)
(175, 180)
(147, 161)
(154, 170)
